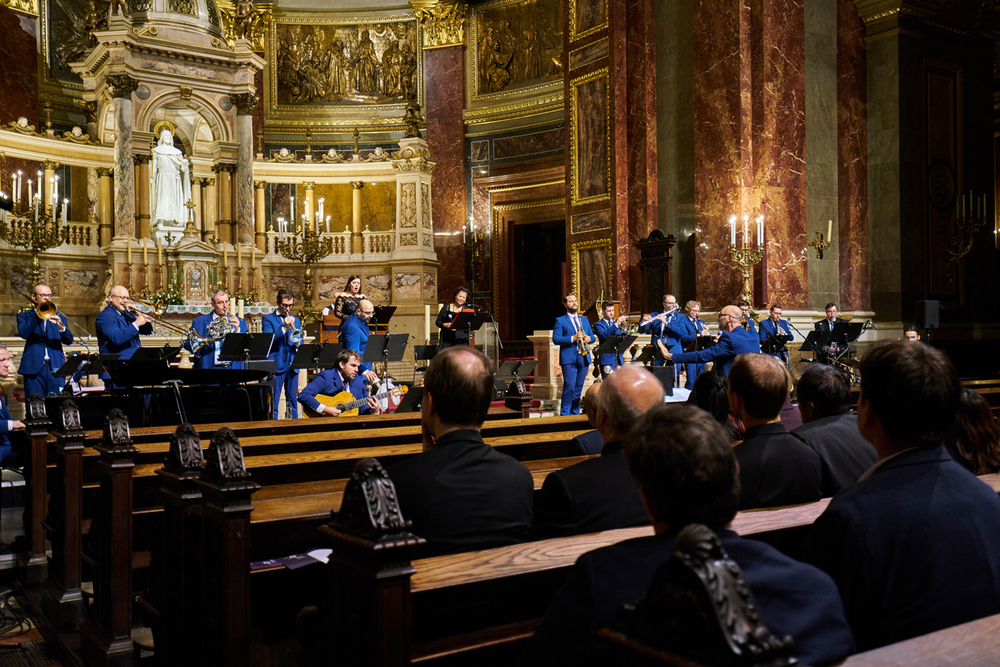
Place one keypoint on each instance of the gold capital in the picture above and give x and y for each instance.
(308, 186)
(443, 22)
(357, 185)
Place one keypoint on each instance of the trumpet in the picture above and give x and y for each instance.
(583, 345)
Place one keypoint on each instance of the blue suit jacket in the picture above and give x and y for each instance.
(562, 335)
(40, 336)
(330, 383)
(282, 351)
(5, 429)
(730, 345)
(686, 330)
(605, 330)
(117, 335)
(207, 357)
(767, 327)
(793, 598)
(751, 325)
(354, 336)
(914, 548)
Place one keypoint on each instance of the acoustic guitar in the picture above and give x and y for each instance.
(347, 404)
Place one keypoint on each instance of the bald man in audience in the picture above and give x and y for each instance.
(684, 468)
(591, 442)
(598, 494)
(830, 429)
(775, 468)
(733, 340)
(914, 546)
(460, 493)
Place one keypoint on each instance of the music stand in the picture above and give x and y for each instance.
(322, 355)
(246, 347)
(775, 344)
(89, 364)
(469, 321)
(649, 354)
(148, 354)
(616, 344)
(382, 316)
(703, 343)
(383, 348)
(424, 352)
(411, 402)
(811, 343)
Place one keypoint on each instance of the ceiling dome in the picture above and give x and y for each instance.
(178, 18)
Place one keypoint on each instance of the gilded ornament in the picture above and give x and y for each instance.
(25, 6)
(186, 92)
(443, 22)
(245, 103)
(378, 155)
(149, 30)
(21, 125)
(242, 20)
(333, 157)
(122, 7)
(412, 120)
(284, 155)
(121, 85)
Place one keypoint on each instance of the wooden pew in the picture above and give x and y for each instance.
(972, 643)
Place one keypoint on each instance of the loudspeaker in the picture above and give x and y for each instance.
(928, 314)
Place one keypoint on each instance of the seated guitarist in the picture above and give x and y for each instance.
(344, 377)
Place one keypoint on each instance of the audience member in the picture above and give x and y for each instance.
(775, 468)
(460, 493)
(913, 546)
(789, 413)
(975, 438)
(598, 494)
(911, 334)
(710, 393)
(830, 429)
(591, 442)
(686, 473)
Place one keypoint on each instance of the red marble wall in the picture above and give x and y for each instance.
(779, 147)
(852, 158)
(749, 142)
(718, 156)
(641, 145)
(445, 139)
(18, 67)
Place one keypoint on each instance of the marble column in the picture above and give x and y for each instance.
(244, 227)
(444, 93)
(224, 189)
(196, 184)
(209, 214)
(121, 87)
(142, 195)
(357, 238)
(105, 208)
(260, 216)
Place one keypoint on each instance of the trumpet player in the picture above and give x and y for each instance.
(45, 332)
(775, 326)
(287, 331)
(573, 335)
(605, 328)
(119, 326)
(217, 324)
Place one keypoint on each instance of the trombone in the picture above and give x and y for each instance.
(156, 315)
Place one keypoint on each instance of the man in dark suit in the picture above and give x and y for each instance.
(460, 493)
(605, 328)
(827, 348)
(281, 324)
(775, 326)
(591, 442)
(734, 340)
(775, 468)
(829, 429)
(914, 546)
(345, 377)
(43, 341)
(569, 329)
(354, 334)
(598, 494)
(8, 456)
(208, 356)
(683, 465)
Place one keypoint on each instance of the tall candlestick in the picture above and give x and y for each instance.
(128, 251)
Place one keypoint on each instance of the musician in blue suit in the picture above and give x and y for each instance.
(775, 326)
(281, 323)
(208, 357)
(689, 327)
(569, 329)
(118, 328)
(734, 341)
(748, 322)
(354, 334)
(43, 351)
(662, 329)
(345, 377)
(7, 454)
(605, 328)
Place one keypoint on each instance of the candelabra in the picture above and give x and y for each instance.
(747, 256)
(309, 247)
(970, 216)
(822, 243)
(37, 226)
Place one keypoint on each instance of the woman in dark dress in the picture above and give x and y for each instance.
(346, 302)
(447, 315)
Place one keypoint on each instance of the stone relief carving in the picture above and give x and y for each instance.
(425, 205)
(408, 205)
(518, 44)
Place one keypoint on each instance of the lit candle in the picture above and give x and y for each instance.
(746, 232)
(321, 205)
(128, 251)
(239, 308)
(327, 224)
(55, 189)
(760, 230)
(30, 198)
(427, 323)
(65, 206)
(732, 230)
(829, 229)
(291, 215)
(41, 186)
(239, 255)
(13, 186)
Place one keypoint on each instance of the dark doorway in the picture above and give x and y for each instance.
(539, 252)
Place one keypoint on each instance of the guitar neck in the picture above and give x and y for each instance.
(363, 401)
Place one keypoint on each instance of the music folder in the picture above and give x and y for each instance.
(312, 355)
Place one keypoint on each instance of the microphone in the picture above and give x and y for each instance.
(872, 325)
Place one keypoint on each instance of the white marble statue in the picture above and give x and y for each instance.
(170, 184)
